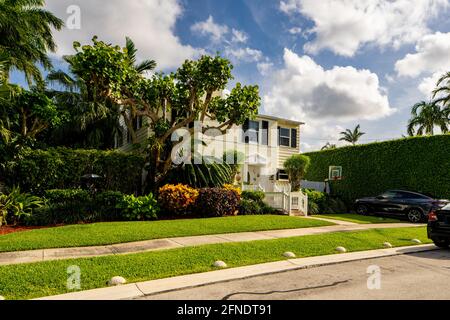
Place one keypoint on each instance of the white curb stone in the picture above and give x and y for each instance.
(220, 264)
(289, 254)
(341, 249)
(416, 241)
(117, 281)
(387, 245)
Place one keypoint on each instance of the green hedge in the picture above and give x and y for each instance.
(61, 168)
(418, 164)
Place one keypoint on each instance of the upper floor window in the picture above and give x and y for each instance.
(251, 131)
(287, 137)
(137, 123)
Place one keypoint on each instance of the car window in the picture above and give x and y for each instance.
(389, 194)
(408, 195)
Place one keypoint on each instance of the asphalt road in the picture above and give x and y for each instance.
(424, 275)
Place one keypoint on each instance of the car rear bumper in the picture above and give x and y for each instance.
(435, 232)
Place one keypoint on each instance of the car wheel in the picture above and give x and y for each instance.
(441, 243)
(415, 215)
(362, 209)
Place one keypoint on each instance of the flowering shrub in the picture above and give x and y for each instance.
(233, 188)
(177, 198)
(216, 202)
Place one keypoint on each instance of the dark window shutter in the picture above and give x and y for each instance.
(265, 133)
(245, 128)
(279, 128)
(294, 138)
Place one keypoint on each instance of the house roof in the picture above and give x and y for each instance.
(280, 119)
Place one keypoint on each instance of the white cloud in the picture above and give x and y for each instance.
(428, 84)
(210, 28)
(295, 30)
(264, 67)
(432, 55)
(239, 36)
(303, 90)
(345, 26)
(149, 23)
(244, 54)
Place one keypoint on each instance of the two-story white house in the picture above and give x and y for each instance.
(266, 142)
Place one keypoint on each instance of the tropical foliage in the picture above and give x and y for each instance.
(26, 37)
(328, 146)
(216, 202)
(139, 208)
(296, 166)
(425, 117)
(16, 206)
(187, 94)
(352, 136)
(177, 198)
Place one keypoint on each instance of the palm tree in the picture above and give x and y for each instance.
(443, 88)
(26, 37)
(328, 146)
(352, 136)
(144, 66)
(425, 116)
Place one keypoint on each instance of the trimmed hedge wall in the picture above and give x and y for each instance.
(418, 164)
(62, 168)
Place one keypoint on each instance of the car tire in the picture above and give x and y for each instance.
(442, 243)
(415, 215)
(362, 209)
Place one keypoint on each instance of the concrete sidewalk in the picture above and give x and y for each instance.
(147, 288)
(7, 258)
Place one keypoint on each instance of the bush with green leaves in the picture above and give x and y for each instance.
(322, 203)
(15, 207)
(297, 166)
(139, 208)
(62, 168)
(253, 195)
(252, 202)
(216, 202)
(417, 164)
(106, 204)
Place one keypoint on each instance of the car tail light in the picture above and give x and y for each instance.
(432, 216)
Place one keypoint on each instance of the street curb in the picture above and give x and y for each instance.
(148, 288)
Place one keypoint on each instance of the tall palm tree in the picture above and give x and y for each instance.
(425, 117)
(352, 136)
(145, 65)
(443, 89)
(26, 37)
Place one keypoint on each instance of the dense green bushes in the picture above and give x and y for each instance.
(417, 164)
(69, 206)
(322, 203)
(61, 168)
(252, 203)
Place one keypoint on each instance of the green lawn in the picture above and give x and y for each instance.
(357, 218)
(49, 278)
(120, 232)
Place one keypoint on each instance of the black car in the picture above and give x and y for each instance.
(439, 226)
(399, 203)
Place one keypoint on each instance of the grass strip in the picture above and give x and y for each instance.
(49, 278)
(121, 232)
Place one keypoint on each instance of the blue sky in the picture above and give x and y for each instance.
(331, 63)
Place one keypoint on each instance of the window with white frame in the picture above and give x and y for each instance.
(251, 131)
(285, 137)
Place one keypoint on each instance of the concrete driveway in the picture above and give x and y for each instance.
(424, 275)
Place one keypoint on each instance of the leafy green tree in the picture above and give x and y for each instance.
(168, 102)
(352, 136)
(26, 37)
(93, 121)
(296, 166)
(425, 117)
